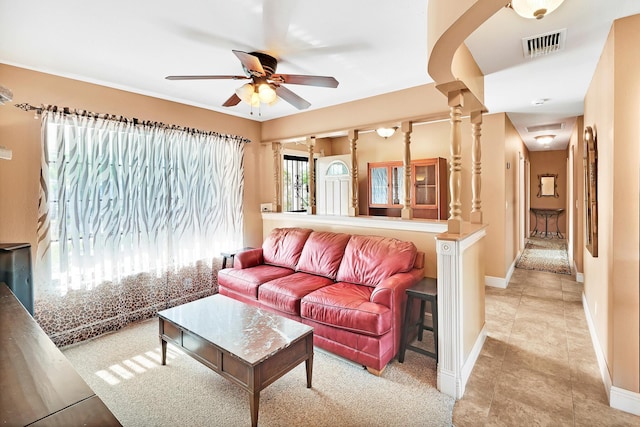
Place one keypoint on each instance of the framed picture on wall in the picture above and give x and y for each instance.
(591, 190)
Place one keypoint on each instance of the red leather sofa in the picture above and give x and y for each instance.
(349, 288)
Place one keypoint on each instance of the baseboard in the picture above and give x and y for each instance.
(495, 282)
(625, 400)
(448, 383)
(473, 357)
(579, 276)
(602, 362)
(501, 282)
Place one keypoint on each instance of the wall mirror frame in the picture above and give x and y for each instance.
(548, 185)
(591, 190)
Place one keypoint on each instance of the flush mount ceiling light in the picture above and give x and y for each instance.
(386, 132)
(535, 9)
(545, 139)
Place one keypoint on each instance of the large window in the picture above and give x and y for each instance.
(124, 199)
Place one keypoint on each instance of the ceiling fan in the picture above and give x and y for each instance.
(266, 86)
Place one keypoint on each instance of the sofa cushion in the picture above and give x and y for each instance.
(347, 306)
(370, 259)
(246, 281)
(322, 253)
(284, 245)
(284, 294)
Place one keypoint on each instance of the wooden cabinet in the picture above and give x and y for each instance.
(428, 188)
(386, 188)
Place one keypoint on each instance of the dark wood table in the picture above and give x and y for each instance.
(250, 347)
(39, 386)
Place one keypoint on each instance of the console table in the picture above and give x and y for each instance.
(40, 387)
(546, 214)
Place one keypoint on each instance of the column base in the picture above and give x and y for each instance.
(406, 213)
(454, 225)
(475, 217)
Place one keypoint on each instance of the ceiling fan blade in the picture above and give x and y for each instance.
(298, 79)
(233, 100)
(292, 98)
(251, 63)
(207, 77)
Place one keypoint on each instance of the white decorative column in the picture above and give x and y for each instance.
(311, 144)
(407, 212)
(353, 140)
(277, 176)
(456, 101)
(460, 306)
(476, 169)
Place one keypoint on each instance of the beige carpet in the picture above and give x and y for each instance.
(123, 368)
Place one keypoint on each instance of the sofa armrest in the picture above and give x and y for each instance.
(247, 259)
(395, 285)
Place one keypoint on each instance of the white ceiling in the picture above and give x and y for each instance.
(370, 46)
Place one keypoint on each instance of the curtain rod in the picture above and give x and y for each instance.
(106, 116)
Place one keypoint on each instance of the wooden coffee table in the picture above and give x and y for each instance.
(246, 345)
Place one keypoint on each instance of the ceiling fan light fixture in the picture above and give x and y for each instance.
(386, 132)
(245, 92)
(535, 9)
(267, 93)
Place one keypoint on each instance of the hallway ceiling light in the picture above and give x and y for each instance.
(386, 132)
(535, 9)
(545, 139)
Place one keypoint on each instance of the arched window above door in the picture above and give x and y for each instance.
(337, 168)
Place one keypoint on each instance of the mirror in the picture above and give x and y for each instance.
(547, 185)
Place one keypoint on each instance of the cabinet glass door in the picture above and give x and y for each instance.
(425, 182)
(379, 186)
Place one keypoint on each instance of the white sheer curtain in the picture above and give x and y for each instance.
(119, 199)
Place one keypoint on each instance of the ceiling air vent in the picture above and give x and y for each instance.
(547, 127)
(544, 44)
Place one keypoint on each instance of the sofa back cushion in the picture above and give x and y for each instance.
(370, 259)
(284, 245)
(322, 253)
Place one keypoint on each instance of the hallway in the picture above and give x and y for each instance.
(538, 365)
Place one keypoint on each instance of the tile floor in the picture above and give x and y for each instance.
(538, 365)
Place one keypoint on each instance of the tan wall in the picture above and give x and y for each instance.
(626, 189)
(21, 133)
(387, 109)
(473, 305)
(549, 162)
(611, 279)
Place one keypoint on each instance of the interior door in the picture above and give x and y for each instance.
(333, 185)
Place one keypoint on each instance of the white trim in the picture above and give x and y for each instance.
(500, 282)
(625, 400)
(602, 362)
(579, 276)
(619, 398)
(495, 282)
(471, 240)
(454, 368)
(468, 365)
(420, 225)
(448, 384)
